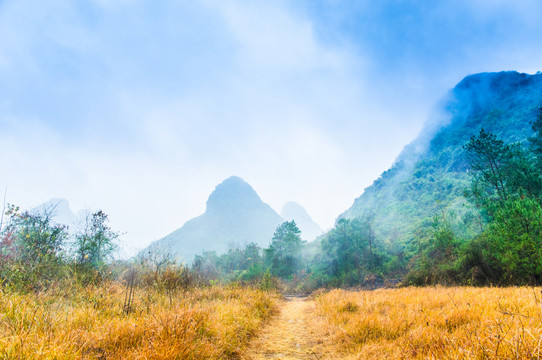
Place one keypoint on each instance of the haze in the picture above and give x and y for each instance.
(141, 107)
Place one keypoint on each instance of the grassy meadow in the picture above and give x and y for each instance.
(434, 323)
(92, 323)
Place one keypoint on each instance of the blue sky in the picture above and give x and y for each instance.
(141, 107)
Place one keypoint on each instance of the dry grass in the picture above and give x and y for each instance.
(434, 323)
(294, 334)
(89, 323)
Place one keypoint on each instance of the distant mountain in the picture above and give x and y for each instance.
(235, 215)
(430, 175)
(309, 229)
(60, 211)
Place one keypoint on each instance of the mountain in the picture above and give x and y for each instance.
(60, 211)
(430, 175)
(235, 215)
(309, 229)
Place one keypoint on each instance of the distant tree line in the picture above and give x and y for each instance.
(500, 243)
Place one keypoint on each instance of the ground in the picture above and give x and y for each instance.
(295, 334)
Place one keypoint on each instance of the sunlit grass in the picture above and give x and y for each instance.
(435, 323)
(89, 323)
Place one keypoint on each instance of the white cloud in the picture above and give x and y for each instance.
(140, 108)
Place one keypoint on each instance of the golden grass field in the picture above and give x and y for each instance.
(89, 323)
(234, 322)
(434, 323)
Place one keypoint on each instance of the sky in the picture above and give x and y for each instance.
(140, 108)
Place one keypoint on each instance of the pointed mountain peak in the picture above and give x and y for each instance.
(233, 192)
(235, 215)
(292, 207)
(60, 211)
(293, 211)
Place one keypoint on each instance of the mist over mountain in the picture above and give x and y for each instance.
(60, 211)
(309, 229)
(430, 175)
(235, 216)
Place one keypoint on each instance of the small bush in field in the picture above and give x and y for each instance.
(94, 245)
(31, 249)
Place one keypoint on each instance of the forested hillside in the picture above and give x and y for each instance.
(431, 174)
(461, 205)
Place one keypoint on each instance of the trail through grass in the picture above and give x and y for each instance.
(295, 334)
(407, 323)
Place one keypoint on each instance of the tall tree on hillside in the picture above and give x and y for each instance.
(514, 242)
(487, 157)
(536, 139)
(284, 254)
(501, 170)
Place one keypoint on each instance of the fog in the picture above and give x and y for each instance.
(140, 108)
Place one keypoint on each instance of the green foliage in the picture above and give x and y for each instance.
(489, 158)
(95, 243)
(350, 254)
(514, 242)
(536, 139)
(34, 250)
(500, 171)
(267, 282)
(506, 189)
(244, 265)
(284, 254)
(432, 174)
(436, 253)
(31, 249)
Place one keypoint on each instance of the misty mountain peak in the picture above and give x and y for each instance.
(293, 211)
(232, 193)
(235, 216)
(60, 211)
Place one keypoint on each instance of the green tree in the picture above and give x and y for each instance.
(514, 242)
(284, 254)
(536, 139)
(350, 252)
(436, 252)
(95, 242)
(488, 157)
(32, 245)
(501, 171)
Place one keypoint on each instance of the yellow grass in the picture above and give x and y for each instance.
(89, 323)
(294, 334)
(434, 323)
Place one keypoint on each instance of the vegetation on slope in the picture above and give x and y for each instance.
(430, 175)
(493, 235)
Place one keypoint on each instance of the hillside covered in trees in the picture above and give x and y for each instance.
(461, 205)
(431, 174)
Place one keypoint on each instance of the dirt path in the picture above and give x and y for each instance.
(295, 334)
